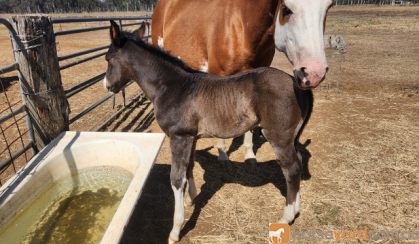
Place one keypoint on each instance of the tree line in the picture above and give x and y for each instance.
(50, 6)
(377, 2)
(53, 6)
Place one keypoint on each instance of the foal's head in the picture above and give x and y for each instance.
(119, 69)
(299, 31)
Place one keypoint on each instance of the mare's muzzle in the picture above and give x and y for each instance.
(305, 80)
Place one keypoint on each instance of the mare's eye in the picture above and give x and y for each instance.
(286, 12)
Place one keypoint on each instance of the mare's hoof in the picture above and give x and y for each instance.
(170, 241)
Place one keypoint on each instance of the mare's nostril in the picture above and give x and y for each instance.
(327, 69)
(303, 70)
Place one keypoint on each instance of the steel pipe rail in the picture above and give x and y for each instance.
(8, 161)
(65, 66)
(9, 68)
(117, 113)
(9, 26)
(91, 107)
(76, 54)
(19, 110)
(81, 30)
(80, 87)
(96, 19)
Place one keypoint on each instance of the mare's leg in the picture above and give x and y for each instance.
(222, 155)
(248, 144)
(181, 147)
(190, 183)
(283, 146)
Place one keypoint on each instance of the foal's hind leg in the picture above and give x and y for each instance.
(283, 146)
(182, 148)
(248, 144)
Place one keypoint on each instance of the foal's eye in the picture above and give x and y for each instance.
(286, 12)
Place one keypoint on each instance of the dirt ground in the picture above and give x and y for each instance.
(364, 136)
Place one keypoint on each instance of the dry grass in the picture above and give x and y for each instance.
(364, 162)
(364, 135)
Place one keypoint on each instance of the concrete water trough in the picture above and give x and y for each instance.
(81, 188)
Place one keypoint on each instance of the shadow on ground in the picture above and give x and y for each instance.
(151, 221)
(6, 82)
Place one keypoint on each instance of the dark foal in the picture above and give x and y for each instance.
(189, 105)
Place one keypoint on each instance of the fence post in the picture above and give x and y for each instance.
(40, 78)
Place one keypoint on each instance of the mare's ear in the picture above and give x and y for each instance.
(140, 32)
(115, 34)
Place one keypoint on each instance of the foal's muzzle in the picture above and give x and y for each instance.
(114, 88)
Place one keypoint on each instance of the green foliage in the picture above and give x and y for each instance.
(51, 6)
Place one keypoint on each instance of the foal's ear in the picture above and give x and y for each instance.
(115, 34)
(140, 32)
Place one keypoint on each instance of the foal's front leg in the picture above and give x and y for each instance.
(182, 148)
(283, 146)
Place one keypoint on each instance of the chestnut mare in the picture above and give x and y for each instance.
(184, 100)
(224, 37)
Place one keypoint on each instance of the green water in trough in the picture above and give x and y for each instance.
(75, 209)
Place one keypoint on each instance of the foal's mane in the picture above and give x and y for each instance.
(157, 51)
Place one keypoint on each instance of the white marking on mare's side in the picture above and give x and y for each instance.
(160, 42)
(204, 67)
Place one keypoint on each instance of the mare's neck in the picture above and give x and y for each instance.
(153, 72)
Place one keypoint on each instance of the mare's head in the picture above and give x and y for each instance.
(119, 70)
(299, 31)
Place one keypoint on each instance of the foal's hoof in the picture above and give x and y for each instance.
(222, 156)
(170, 241)
(173, 238)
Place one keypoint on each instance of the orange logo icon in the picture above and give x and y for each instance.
(279, 233)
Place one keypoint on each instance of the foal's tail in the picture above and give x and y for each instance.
(305, 101)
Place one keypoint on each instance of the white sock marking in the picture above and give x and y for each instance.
(178, 216)
(288, 214)
(248, 144)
